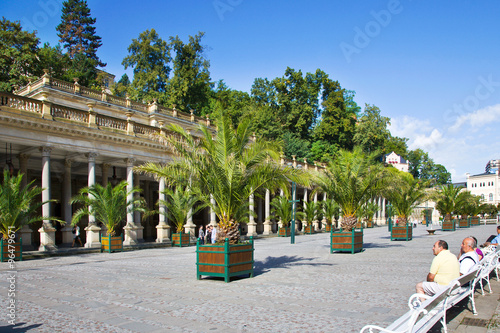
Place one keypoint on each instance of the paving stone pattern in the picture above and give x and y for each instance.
(296, 288)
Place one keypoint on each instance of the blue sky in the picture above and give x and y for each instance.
(432, 67)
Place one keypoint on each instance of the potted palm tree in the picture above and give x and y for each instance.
(367, 211)
(446, 201)
(331, 211)
(308, 215)
(475, 209)
(109, 205)
(464, 208)
(282, 209)
(227, 167)
(405, 193)
(180, 204)
(351, 180)
(18, 207)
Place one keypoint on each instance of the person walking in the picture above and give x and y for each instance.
(76, 235)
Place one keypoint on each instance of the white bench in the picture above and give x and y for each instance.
(423, 315)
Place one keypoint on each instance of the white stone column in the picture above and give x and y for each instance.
(92, 230)
(213, 217)
(137, 215)
(316, 220)
(47, 231)
(304, 223)
(25, 231)
(280, 222)
(162, 229)
(252, 226)
(268, 228)
(384, 220)
(131, 230)
(323, 221)
(67, 236)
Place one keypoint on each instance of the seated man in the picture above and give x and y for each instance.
(495, 241)
(468, 258)
(444, 269)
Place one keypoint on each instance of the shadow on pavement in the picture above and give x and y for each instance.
(261, 267)
(19, 327)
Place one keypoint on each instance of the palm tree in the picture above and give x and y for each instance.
(180, 205)
(282, 209)
(19, 205)
(351, 180)
(309, 211)
(405, 193)
(446, 200)
(368, 210)
(331, 211)
(108, 204)
(229, 167)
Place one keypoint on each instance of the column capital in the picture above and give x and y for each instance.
(130, 161)
(24, 156)
(45, 151)
(67, 163)
(91, 156)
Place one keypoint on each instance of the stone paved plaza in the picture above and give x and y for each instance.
(296, 288)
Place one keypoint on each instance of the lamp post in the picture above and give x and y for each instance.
(294, 202)
(389, 213)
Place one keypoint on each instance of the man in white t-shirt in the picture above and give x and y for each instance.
(214, 234)
(469, 260)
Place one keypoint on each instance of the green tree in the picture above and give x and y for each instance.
(446, 198)
(229, 167)
(77, 31)
(19, 205)
(421, 166)
(18, 55)
(121, 87)
(180, 204)
(149, 55)
(281, 207)
(293, 145)
(53, 59)
(371, 130)
(108, 204)
(351, 179)
(351, 106)
(190, 85)
(331, 211)
(234, 103)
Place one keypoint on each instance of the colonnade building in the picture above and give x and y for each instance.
(64, 137)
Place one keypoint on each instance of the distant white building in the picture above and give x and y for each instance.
(486, 185)
(397, 161)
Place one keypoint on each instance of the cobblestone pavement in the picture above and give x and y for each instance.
(300, 287)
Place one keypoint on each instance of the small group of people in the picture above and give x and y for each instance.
(209, 236)
(446, 266)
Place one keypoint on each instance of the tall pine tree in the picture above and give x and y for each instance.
(77, 31)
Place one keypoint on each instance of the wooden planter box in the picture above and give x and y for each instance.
(224, 260)
(180, 239)
(464, 223)
(448, 225)
(309, 230)
(360, 225)
(11, 250)
(111, 244)
(328, 228)
(350, 241)
(402, 233)
(369, 224)
(284, 232)
(474, 220)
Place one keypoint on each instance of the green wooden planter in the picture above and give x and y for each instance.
(224, 260)
(448, 225)
(474, 220)
(181, 239)
(309, 230)
(346, 241)
(369, 224)
(11, 250)
(111, 243)
(402, 233)
(328, 228)
(464, 223)
(284, 232)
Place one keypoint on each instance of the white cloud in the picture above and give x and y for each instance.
(478, 118)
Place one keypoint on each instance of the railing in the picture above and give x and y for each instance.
(20, 103)
(69, 113)
(109, 122)
(117, 100)
(62, 85)
(145, 129)
(138, 106)
(90, 93)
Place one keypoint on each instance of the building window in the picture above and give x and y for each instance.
(491, 196)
